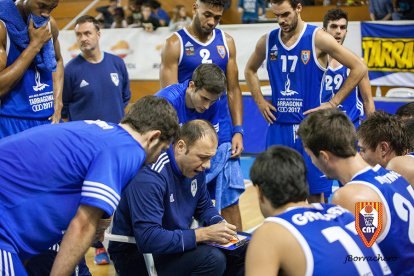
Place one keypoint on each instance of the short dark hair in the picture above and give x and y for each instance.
(210, 77)
(334, 15)
(88, 18)
(153, 113)
(214, 3)
(194, 130)
(280, 173)
(381, 126)
(409, 129)
(406, 110)
(293, 3)
(330, 130)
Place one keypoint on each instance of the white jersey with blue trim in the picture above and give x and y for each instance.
(327, 236)
(352, 105)
(397, 196)
(295, 75)
(48, 171)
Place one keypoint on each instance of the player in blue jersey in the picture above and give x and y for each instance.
(335, 23)
(197, 98)
(296, 57)
(49, 188)
(381, 137)
(96, 83)
(298, 238)
(202, 42)
(329, 137)
(406, 111)
(158, 207)
(31, 66)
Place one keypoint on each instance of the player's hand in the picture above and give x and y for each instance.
(57, 114)
(100, 230)
(220, 233)
(38, 37)
(322, 106)
(236, 145)
(266, 109)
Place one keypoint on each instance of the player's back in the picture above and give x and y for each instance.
(397, 195)
(330, 242)
(333, 81)
(48, 171)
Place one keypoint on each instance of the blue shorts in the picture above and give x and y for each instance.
(10, 264)
(286, 135)
(10, 125)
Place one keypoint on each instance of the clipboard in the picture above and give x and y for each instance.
(244, 238)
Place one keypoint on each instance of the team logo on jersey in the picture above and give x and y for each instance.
(305, 56)
(189, 49)
(288, 91)
(194, 187)
(221, 51)
(368, 221)
(273, 53)
(39, 86)
(115, 78)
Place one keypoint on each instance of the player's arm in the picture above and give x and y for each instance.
(234, 97)
(11, 75)
(170, 55)
(126, 91)
(57, 75)
(404, 165)
(364, 87)
(325, 44)
(349, 195)
(77, 239)
(253, 82)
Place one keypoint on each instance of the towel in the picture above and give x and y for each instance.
(18, 31)
(226, 173)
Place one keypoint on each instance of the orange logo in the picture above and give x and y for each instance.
(368, 221)
(305, 56)
(121, 49)
(221, 50)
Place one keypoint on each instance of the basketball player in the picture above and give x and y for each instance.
(296, 55)
(65, 177)
(31, 66)
(298, 238)
(329, 138)
(202, 42)
(335, 23)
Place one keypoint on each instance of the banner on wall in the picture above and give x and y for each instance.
(388, 51)
(141, 50)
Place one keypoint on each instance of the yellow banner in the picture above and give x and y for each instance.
(389, 54)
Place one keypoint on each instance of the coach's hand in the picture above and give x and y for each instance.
(221, 233)
(266, 108)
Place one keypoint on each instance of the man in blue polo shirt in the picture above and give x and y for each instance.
(65, 177)
(159, 205)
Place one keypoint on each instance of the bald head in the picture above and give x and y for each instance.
(195, 130)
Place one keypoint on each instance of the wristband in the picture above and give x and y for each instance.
(238, 129)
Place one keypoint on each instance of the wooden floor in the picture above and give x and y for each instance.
(251, 217)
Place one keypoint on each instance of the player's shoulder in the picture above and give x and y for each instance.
(3, 33)
(113, 58)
